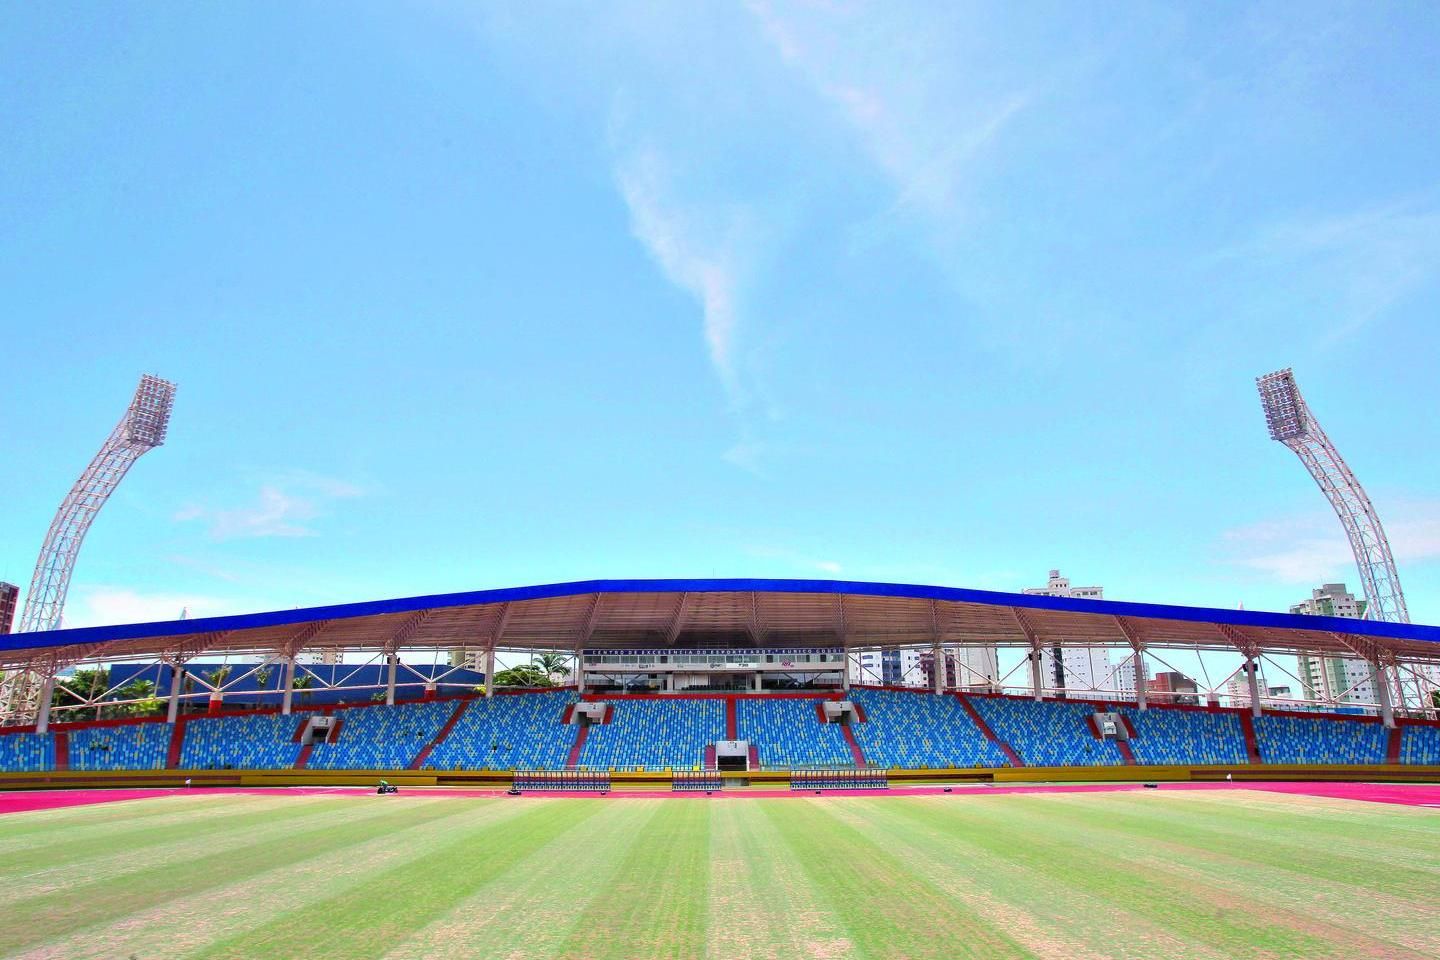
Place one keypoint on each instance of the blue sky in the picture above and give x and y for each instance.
(458, 296)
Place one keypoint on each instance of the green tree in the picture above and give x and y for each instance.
(143, 693)
(525, 675)
(86, 683)
(303, 682)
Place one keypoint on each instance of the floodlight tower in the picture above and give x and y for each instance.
(142, 428)
(1291, 423)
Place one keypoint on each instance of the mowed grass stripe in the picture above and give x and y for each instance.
(1164, 892)
(1290, 818)
(153, 837)
(887, 909)
(37, 919)
(1317, 881)
(33, 827)
(1326, 852)
(1047, 919)
(370, 918)
(190, 922)
(653, 904)
(1371, 831)
(761, 903)
(553, 885)
(118, 856)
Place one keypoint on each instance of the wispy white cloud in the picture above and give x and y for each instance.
(104, 605)
(1350, 268)
(697, 249)
(922, 108)
(1311, 548)
(283, 507)
(795, 558)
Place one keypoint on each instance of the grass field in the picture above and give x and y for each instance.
(1137, 874)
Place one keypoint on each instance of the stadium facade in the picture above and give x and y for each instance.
(669, 676)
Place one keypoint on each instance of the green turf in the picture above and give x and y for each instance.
(1152, 874)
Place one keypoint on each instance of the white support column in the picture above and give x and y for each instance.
(845, 671)
(937, 672)
(490, 672)
(670, 681)
(288, 696)
(1035, 684)
(1140, 699)
(1382, 686)
(177, 677)
(579, 672)
(391, 660)
(1252, 670)
(758, 685)
(47, 693)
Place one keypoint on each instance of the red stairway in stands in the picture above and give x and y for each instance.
(1010, 752)
(1392, 746)
(854, 745)
(177, 739)
(573, 760)
(1252, 745)
(731, 722)
(62, 752)
(424, 753)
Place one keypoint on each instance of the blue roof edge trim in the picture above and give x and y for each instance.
(1159, 611)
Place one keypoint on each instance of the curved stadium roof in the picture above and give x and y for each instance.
(730, 612)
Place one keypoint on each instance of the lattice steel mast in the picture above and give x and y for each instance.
(1291, 423)
(142, 428)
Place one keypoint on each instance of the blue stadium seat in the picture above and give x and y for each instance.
(1420, 745)
(381, 737)
(263, 741)
(27, 752)
(1319, 740)
(137, 746)
(1051, 733)
(788, 733)
(655, 735)
(920, 730)
(509, 732)
(1164, 735)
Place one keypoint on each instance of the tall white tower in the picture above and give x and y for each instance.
(1291, 423)
(142, 428)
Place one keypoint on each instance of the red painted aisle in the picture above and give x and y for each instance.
(460, 708)
(1010, 752)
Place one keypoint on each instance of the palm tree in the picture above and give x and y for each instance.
(552, 664)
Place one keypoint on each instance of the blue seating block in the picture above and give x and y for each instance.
(138, 746)
(1319, 740)
(27, 752)
(509, 732)
(381, 737)
(789, 733)
(1165, 735)
(1051, 733)
(920, 730)
(1420, 745)
(655, 735)
(264, 741)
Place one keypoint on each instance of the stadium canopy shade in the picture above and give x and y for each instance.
(645, 614)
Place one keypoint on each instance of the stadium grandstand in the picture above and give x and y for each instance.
(752, 677)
